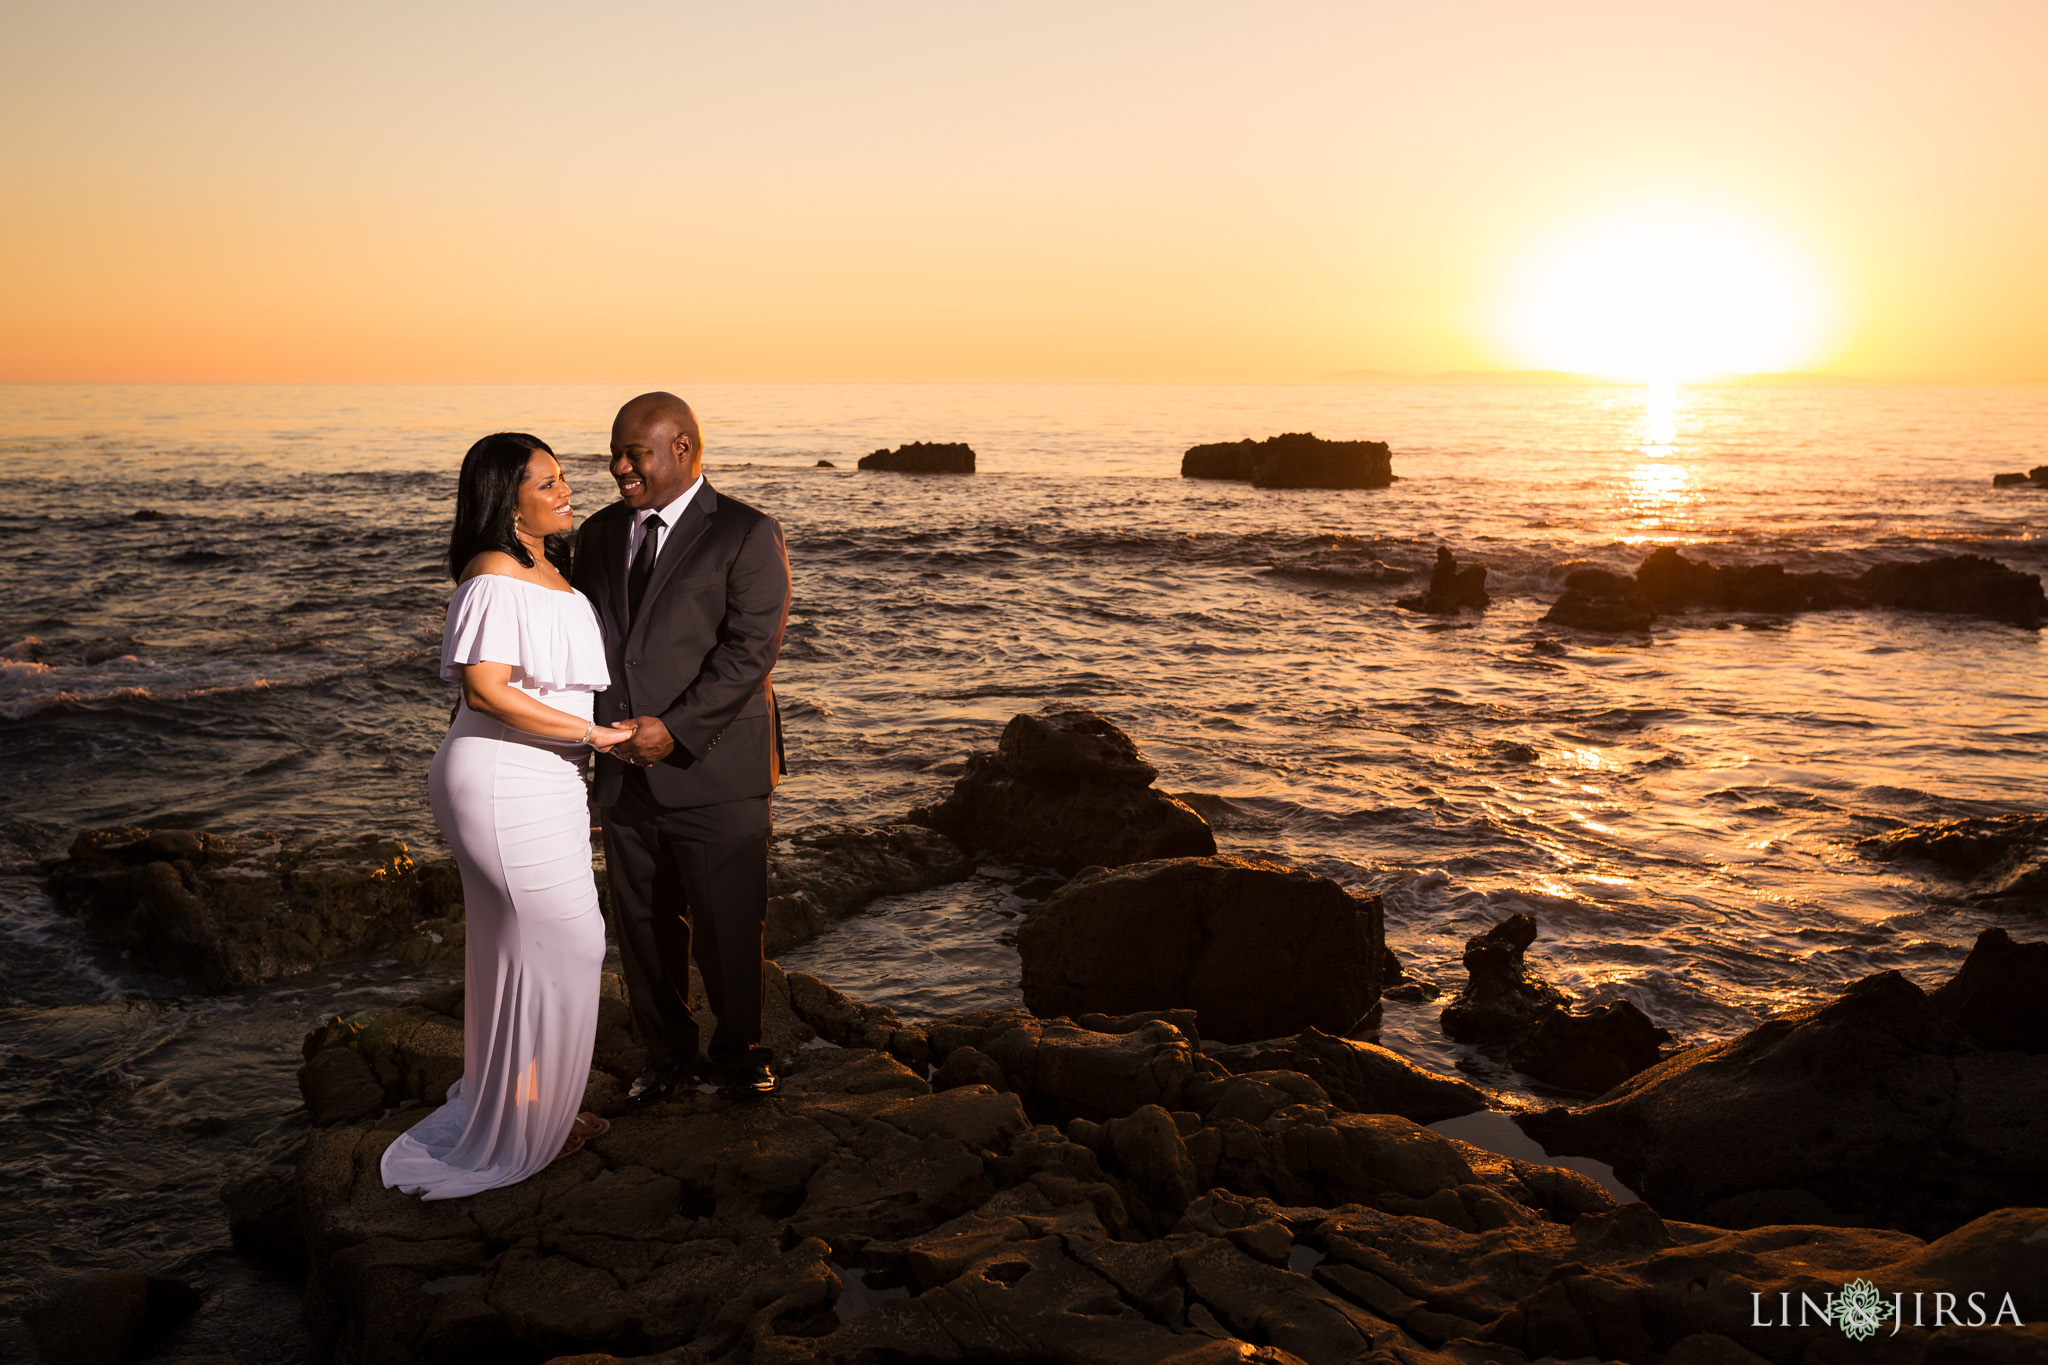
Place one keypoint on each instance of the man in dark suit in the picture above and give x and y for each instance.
(692, 590)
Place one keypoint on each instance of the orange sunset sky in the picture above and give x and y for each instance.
(897, 191)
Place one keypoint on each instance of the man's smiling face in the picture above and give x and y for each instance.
(653, 459)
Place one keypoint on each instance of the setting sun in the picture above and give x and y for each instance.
(1664, 295)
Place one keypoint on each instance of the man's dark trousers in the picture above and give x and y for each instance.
(684, 881)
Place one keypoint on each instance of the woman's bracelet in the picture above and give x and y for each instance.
(588, 731)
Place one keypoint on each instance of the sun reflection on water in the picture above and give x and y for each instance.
(1660, 490)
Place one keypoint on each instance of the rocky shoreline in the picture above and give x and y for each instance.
(1208, 1160)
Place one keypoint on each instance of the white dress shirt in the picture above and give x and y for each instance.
(669, 516)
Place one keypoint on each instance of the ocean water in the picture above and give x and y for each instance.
(1677, 813)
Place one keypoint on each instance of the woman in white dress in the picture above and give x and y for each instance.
(507, 791)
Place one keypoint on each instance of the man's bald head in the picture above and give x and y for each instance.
(656, 450)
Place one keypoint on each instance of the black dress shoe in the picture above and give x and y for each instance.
(751, 1077)
(654, 1084)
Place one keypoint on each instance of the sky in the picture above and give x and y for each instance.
(686, 192)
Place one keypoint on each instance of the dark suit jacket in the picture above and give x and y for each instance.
(699, 654)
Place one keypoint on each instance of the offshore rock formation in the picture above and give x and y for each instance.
(1450, 588)
(1297, 459)
(224, 913)
(1098, 1196)
(1999, 856)
(1888, 1107)
(1531, 1022)
(1066, 789)
(1256, 949)
(1667, 582)
(923, 457)
(2037, 477)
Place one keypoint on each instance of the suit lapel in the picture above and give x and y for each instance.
(676, 547)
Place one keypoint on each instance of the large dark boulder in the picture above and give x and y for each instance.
(1886, 1107)
(1997, 996)
(1667, 581)
(1256, 949)
(1296, 459)
(1962, 585)
(923, 457)
(1999, 856)
(1959, 585)
(223, 913)
(1067, 789)
(1451, 589)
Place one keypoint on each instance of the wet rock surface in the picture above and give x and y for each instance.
(923, 457)
(1066, 789)
(1451, 589)
(1104, 1193)
(1998, 856)
(223, 913)
(1888, 1107)
(819, 873)
(1296, 459)
(1256, 949)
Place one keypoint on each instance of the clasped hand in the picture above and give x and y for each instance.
(605, 738)
(647, 741)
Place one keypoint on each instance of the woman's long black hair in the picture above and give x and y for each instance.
(487, 500)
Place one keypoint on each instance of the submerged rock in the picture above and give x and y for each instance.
(1296, 459)
(223, 913)
(1256, 949)
(1067, 789)
(1887, 1107)
(1999, 856)
(923, 457)
(1451, 588)
(1600, 601)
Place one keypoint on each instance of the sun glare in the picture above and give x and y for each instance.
(1665, 295)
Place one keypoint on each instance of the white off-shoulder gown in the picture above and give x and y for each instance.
(512, 806)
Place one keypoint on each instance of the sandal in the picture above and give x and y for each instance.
(586, 1127)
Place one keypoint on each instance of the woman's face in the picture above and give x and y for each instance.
(544, 498)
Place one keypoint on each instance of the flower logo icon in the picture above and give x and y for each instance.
(1860, 1309)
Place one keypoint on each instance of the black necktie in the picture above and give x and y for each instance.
(643, 566)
